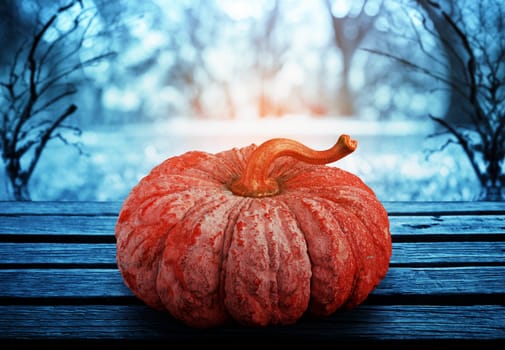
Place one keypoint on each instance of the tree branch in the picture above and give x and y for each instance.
(32, 69)
(46, 137)
(71, 90)
(416, 67)
(471, 68)
(463, 142)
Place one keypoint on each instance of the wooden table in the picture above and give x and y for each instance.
(446, 284)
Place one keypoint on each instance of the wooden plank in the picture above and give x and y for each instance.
(57, 253)
(457, 281)
(105, 225)
(112, 208)
(417, 253)
(56, 225)
(46, 283)
(440, 253)
(470, 224)
(70, 289)
(372, 322)
(73, 208)
(426, 208)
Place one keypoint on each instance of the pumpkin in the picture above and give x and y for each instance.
(258, 235)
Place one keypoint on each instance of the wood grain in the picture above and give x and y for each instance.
(445, 285)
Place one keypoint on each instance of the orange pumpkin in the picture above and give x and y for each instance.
(259, 235)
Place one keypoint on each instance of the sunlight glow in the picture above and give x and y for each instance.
(243, 9)
(293, 125)
(372, 8)
(341, 8)
(124, 100)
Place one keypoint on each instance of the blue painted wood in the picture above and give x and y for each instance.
(103, 225)
(33, 254)
(367, 322)
(95, 282)
(59, 282)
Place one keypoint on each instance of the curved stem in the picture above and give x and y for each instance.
(255, 182)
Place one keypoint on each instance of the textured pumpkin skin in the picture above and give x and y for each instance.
(187, 245)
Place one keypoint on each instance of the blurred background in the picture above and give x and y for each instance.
(95, 93)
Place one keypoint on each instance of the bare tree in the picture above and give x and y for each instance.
(193, 74)
(477, 50)
(349, 32)
(35, 92)
(458, 102)
(268, 59)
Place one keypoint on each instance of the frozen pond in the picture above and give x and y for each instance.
(391, 157)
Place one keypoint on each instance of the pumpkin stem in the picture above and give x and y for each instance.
(255, 182)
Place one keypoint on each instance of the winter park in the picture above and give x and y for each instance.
(324, 172)
(149, 81)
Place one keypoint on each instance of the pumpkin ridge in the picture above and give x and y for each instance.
(204, 181)
(163, 243)
(369, 228)
(197, 164)
(176, 182)
(142, 208)
(358, 256)
(304, 206)
(153, 254)
(279, 272)
(199, 206)
(324, 179)
(233, 217)
(137, 206)
(356, 252)
(235, 159)
(382, 247)
(151, 201)
(356, 207)
(249, 272)
(193, 303)
(324, 193)
(124, 240)
(272, 254)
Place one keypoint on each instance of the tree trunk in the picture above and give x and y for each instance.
(20, 192)
(17, 182)
(345, 101)
(492, 192)
(458, 105)
(492, 186)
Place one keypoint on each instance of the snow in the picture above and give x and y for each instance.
(391, 156)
